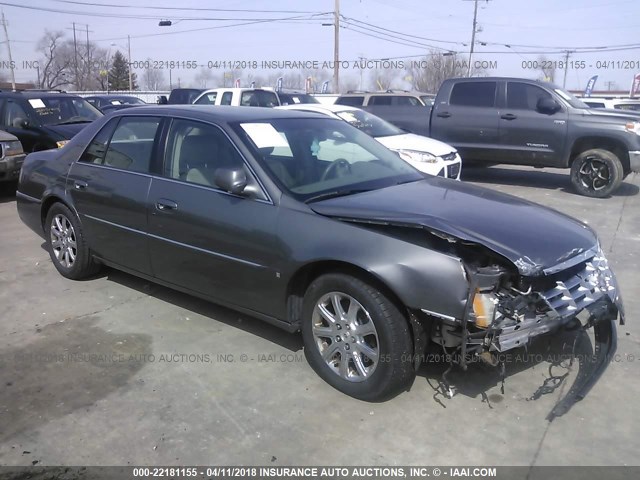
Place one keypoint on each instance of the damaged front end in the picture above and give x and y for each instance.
(506, 310)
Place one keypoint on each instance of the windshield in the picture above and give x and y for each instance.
(314, 157)
(369, 124)
(294, 98)
(570, 98)
(125, 101)
(427, 100)
(61, 110)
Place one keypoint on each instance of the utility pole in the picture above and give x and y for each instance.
(336, 47)
(473, 36)
(567, 53)
(130, 63)
(473, 33)
(75, 53)
(361, 59)
(6, 37)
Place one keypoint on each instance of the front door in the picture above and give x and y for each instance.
(204, 239)
(529, 136)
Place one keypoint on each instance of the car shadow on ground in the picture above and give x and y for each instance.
(8, 191)
(535, 178)
(208, 309)
(561, 356)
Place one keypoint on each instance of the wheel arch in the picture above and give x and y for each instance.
(51, 200)
(305, 275)
(617, 147)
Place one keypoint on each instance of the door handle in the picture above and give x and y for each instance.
(80, 185)
(509, 116)
(443, 114)
(163, 205)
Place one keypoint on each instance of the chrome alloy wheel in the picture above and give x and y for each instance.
(594, 174)
(63, 241)
(345, 336)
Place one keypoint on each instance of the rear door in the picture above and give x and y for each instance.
(109, 186)
(529, 136)
(202, 238)
(470, 120)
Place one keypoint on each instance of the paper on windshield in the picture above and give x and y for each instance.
(37, 103)
(264, 135)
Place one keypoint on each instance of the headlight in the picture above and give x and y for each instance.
(415, 156)
(62, 143)
(633, 127)
(11, 148)
(484, 308)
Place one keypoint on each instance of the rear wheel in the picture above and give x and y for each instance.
(66, 244)
(596, 173)
(355, 338)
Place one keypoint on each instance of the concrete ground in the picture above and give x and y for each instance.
(118, 371)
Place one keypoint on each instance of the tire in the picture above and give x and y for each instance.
(371, 326)
(65, 239)
(596, 173)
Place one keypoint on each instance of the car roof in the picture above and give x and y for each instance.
(107, 96)
(406, 93)
(36, 94)
(222, 113)
(237, 89)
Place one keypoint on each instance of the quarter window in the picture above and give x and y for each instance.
(522, 96)
(226, 98)
(97, 149)
(131, 145)
(474, 94)
(196, 150)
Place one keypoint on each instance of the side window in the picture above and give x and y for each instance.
(474, 94)
(410, 101)
(351, 101)
(226, 98)
(207, 99)
(98, 147)
(595, 104)
(195, 150)
(131, 145)
(259, 98)
(14, 114)
(380, 100)
(522, 96)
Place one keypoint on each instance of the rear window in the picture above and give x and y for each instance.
(474, 94)
(259, 98)
(351, 101)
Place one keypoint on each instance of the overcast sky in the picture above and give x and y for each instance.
(545, 25)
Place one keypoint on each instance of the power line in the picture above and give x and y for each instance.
(354, 28)
(198, 9)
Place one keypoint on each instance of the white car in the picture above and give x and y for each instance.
(424, 153)
(238, 97)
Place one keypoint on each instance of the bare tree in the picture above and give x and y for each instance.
(57, 64)
(385, 78)
(152, 78)
(547, 68)
(428, 73)
(204, 78)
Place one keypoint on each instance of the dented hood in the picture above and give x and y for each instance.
(532, 237)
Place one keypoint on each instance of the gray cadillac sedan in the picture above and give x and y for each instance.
(309, 224)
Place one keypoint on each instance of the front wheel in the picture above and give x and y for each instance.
(596, 173)
(355, 338)
(66, 244)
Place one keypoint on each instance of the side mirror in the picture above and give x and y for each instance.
(162, 100)
(547, 105)
(19, 122)
(232, 180)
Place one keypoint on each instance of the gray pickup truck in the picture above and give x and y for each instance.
(495, 120)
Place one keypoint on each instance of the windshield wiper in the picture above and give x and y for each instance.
(336, 193)
(70, 121)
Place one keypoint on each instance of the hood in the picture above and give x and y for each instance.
(532, 237)
(612, 113)
(67, 132)
(411, 141)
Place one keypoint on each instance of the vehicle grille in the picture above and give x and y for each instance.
(449, 156)
(581, 290)
(453, 170)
